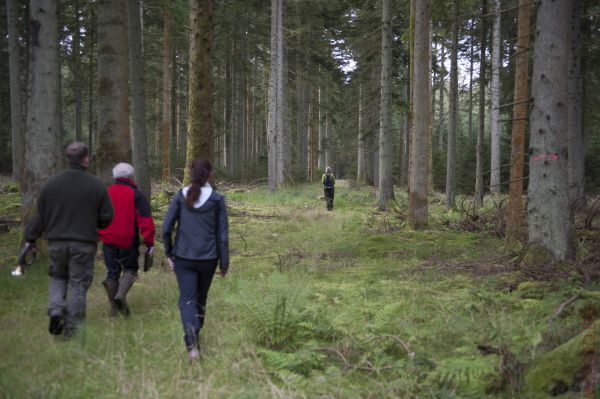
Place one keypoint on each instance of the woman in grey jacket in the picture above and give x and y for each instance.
(201, 242)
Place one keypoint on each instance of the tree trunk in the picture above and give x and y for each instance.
(321, 162)
(514, 208)
(114, 139)
(43, 155)
(174, 102)
(276, 109)
(495, 97)
(228, 153)
(411, 85)
(471, 58)
(91, 57)
(441, 108)
(166, 93)
(16, 90)
(417, 199)
(548, 212)
(138, 97)
(481, 128)
(200, 127)
(431, 113)
(77, 80)
(405, 139)
(386, 182)
(366, 134)
(576, 138)
(452, 111)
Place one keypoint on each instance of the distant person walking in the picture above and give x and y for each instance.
(201, 242)
(328, 182)
(122, 238)
(71, 207)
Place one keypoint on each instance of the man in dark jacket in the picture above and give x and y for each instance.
(71, 207)
(121, 239)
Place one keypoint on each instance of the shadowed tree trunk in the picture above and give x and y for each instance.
(138, 97)
(386, 184)
(43, 155)
(114, 139)
(417, 199)
(91, 44)
(471, 58)
(514, 208)
(481, 128)
(16, 90)
(167, 94)
(276, 98)
(200, 128)
(452, 111)
(495, 97)
(549, 215)
(77, 79)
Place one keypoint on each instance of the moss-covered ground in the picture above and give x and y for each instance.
(345, 304)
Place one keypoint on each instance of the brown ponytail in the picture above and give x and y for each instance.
(200, 171)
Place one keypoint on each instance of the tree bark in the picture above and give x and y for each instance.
(576, 137)
(77, 80)
(481, 128)
(91, 45)
(321, 161)
(275, 117)
(471, 58)
(114, 139)
(452, 111)
(16, 90)
(386, 183)
(43, 156)
(548, 212)
(200, 127)
(166, 93)
(495, 97)
(441, 110)
(417, 199)
(514, 208)
(138, 97)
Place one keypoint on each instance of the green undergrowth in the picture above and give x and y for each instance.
(345, 304)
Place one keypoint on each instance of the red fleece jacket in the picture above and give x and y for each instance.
(132, 217)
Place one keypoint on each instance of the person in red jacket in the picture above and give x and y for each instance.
(122, 237)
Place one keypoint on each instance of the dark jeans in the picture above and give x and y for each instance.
(120, 259)
(329, 193)
(194, 279)
(71, 272)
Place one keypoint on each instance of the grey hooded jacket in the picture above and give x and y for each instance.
(201, 234)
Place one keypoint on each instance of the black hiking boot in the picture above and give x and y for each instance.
(57, 324)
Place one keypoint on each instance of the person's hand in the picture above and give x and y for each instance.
(171, 263)
(222, 272)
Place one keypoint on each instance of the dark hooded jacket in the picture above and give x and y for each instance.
(201, 233)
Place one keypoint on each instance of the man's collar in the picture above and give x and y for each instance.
(78, 166)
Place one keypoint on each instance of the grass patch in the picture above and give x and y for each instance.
(341, 304)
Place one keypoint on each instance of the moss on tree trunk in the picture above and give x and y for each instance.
(565, 367)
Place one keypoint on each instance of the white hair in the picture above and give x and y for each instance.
(328, 170)
(123, 170)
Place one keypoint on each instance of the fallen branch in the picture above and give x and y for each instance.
(562, 307)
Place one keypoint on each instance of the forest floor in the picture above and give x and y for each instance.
(345, 304)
